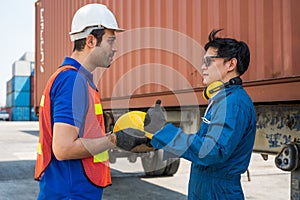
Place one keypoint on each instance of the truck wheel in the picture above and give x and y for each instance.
(172, 166)
(153, 163)
(112, 157)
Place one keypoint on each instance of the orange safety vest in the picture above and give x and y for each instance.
(96, 167)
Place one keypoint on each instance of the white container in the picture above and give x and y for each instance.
(28, 56)
(21, 68)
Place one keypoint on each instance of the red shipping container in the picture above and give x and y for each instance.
(160, 53)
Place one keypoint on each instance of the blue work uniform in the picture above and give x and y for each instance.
(69, 104)
(221, 149)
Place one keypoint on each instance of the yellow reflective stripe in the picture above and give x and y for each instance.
(42, 101)
(101, 157)
(39, 149)
(98, 109)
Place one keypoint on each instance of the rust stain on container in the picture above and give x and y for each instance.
(160, 54)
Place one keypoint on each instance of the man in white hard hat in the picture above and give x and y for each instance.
(72, 157)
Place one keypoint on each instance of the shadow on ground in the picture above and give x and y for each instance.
(16, 182)
(134, 187)
(34, 133)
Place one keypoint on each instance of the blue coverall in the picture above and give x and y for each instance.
(221, 149)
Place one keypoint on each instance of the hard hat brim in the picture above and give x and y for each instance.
(116, 29)
(84, 33)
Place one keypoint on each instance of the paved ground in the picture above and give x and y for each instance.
(18, 141)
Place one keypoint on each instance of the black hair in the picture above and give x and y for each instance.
(230, 48)
(97, 33)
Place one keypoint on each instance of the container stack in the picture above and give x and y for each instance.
(19, 90)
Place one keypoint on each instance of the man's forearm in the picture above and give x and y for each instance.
(66, 144)
(98, 145)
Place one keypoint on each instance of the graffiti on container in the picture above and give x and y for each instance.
(278, 139)
(277, 126)
(279, 121)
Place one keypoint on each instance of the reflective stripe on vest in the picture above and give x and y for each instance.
(95, 128)
(96, 167)
(104, 155)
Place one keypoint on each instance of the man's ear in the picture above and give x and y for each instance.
(232, 64)
(91, 41)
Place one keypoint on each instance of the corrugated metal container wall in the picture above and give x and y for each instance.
(163, 41)
(19, 83)
(20, 113)
(18, 98)
(32, 91)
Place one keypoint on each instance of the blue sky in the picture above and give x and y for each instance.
(17, 36)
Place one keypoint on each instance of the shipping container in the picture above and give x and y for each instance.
(21, 68)
(18, 83)
(160, 54)
(9, 86)
(18, 98)
(28, 56)
(20, 113)
(8, 100)
(31, 91)
(32, 66)
(33, 116)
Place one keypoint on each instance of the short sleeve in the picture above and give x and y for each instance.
(69, 98)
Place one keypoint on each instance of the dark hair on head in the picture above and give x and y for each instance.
(97, 33)
(230, 48)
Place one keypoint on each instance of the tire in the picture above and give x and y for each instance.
(154, 165)
(172, 166)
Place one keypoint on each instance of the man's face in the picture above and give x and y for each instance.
(103, 54)
(213, 67)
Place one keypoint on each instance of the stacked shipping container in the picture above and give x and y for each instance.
(19, 90)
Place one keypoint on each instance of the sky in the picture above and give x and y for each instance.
(16, 37)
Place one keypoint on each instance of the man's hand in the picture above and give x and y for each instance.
(155, 118)
(129, 138)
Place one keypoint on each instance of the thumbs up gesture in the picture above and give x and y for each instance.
(155, 118)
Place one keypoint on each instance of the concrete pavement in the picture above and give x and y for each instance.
(18, 142)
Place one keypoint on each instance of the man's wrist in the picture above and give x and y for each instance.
(111, 136)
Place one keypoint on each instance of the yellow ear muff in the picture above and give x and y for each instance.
(210, 90)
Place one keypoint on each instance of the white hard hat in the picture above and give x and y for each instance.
(90, 17)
